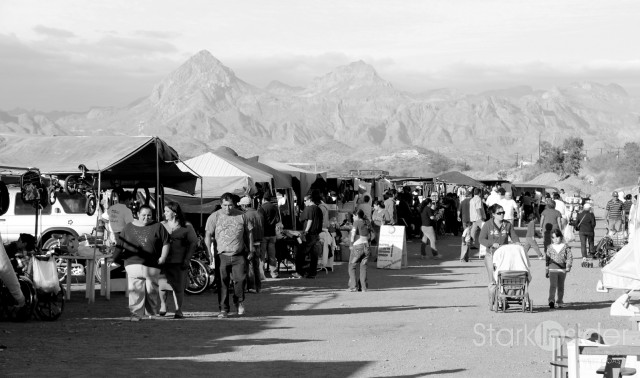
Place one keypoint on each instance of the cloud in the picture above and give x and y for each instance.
(63, 75)
(156, 34)
(53, 32)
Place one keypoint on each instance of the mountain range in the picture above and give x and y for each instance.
(349, 113)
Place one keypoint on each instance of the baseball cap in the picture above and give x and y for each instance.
(614, 193)
(245, 200)
(587, 206)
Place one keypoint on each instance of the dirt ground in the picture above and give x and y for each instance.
(429, 319)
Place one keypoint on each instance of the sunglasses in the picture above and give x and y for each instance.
(500, 213)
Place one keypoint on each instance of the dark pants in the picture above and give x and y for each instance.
(359, 256)
(253, 273)
(312, 247)
(584, 239)
(231, 268)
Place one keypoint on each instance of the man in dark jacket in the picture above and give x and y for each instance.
(271, 217)
(586, 225)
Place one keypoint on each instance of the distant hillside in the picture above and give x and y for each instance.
(349, 113)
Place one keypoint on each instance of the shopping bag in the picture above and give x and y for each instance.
(45, 275)
(568, 234)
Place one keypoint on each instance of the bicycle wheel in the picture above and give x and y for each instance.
(49, 306)
(10, 311)
(198, 278)
(70, 184)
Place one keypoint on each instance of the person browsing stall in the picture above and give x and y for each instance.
(311, 219)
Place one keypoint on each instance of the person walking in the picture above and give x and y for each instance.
(559, 261)
(586, 225)
(144, 245)
(550, 220)
(530, 241)
(183, 244)
(614, 213)
(228, 236)
(626, 206)
(253, 281)
(271, 217)
(360, 254)
(476, 216)
(427, 216)
(496, 232)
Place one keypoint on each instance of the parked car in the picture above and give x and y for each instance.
(66, 216)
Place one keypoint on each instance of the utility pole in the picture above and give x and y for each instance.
(516, 160)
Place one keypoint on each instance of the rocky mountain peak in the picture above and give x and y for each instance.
(354, 76)
(202, 72)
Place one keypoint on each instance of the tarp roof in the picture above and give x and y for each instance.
(305, 177)
(280, 179)
(122, 160)
(455, 177)
(223, 173)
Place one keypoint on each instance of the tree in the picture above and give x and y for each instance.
(565, 160)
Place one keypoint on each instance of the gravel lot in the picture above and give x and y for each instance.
(429, 319)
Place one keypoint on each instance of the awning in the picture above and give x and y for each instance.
(281, 179)
(305, 178)
(122, 160)
(223, 173)
(455, 177)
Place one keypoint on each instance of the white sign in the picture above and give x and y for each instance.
(392, 248)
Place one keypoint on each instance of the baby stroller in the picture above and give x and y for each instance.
(512, 274)
(512, 288)
(608, 246)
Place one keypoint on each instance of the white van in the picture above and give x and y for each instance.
(66, 216)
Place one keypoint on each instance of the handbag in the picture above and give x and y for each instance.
(568, 233)
(577, 228)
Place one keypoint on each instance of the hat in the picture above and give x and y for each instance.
(614, 193)
(245, 200)
(587, 206)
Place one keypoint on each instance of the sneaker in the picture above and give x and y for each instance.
(223, 314)
(296, 276)
(135, 319)
(178, 315)
(551, 305)
(352, 290)
(310, 277)
(560, 305)
(436, 257)
(240, 309)
(274, 274)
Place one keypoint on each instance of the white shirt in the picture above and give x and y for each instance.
(561, 208)
(510, 208)
(493, 198)
(119, 216)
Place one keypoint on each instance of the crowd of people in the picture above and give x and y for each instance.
(241, 236)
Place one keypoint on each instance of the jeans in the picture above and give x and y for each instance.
(531, 243)
(475, 232)
(144, 295)
(253, 273)
(614, 225)
(268, 250)
(312, 247)
(359, 256)
(429, 234)
(584, 239)
(556, 283)
(488, 263)
(232, 268)
(464, 250)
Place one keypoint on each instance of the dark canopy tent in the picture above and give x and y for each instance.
(281, 179)
(455, 177)
(120, 160)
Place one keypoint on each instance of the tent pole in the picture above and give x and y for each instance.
(201, 191)
(157, 182)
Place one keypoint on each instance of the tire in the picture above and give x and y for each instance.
(198, 278)
(52, 194)
(91, 205)
(70, 184)
(4, 198)
(50, 305)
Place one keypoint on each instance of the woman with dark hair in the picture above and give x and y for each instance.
(359, 251)
(559, 261)
(144, 246)
(183, 245)
(496, 232)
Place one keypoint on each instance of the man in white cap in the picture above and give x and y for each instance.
(253, 277)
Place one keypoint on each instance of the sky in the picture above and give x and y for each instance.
(75, 54)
